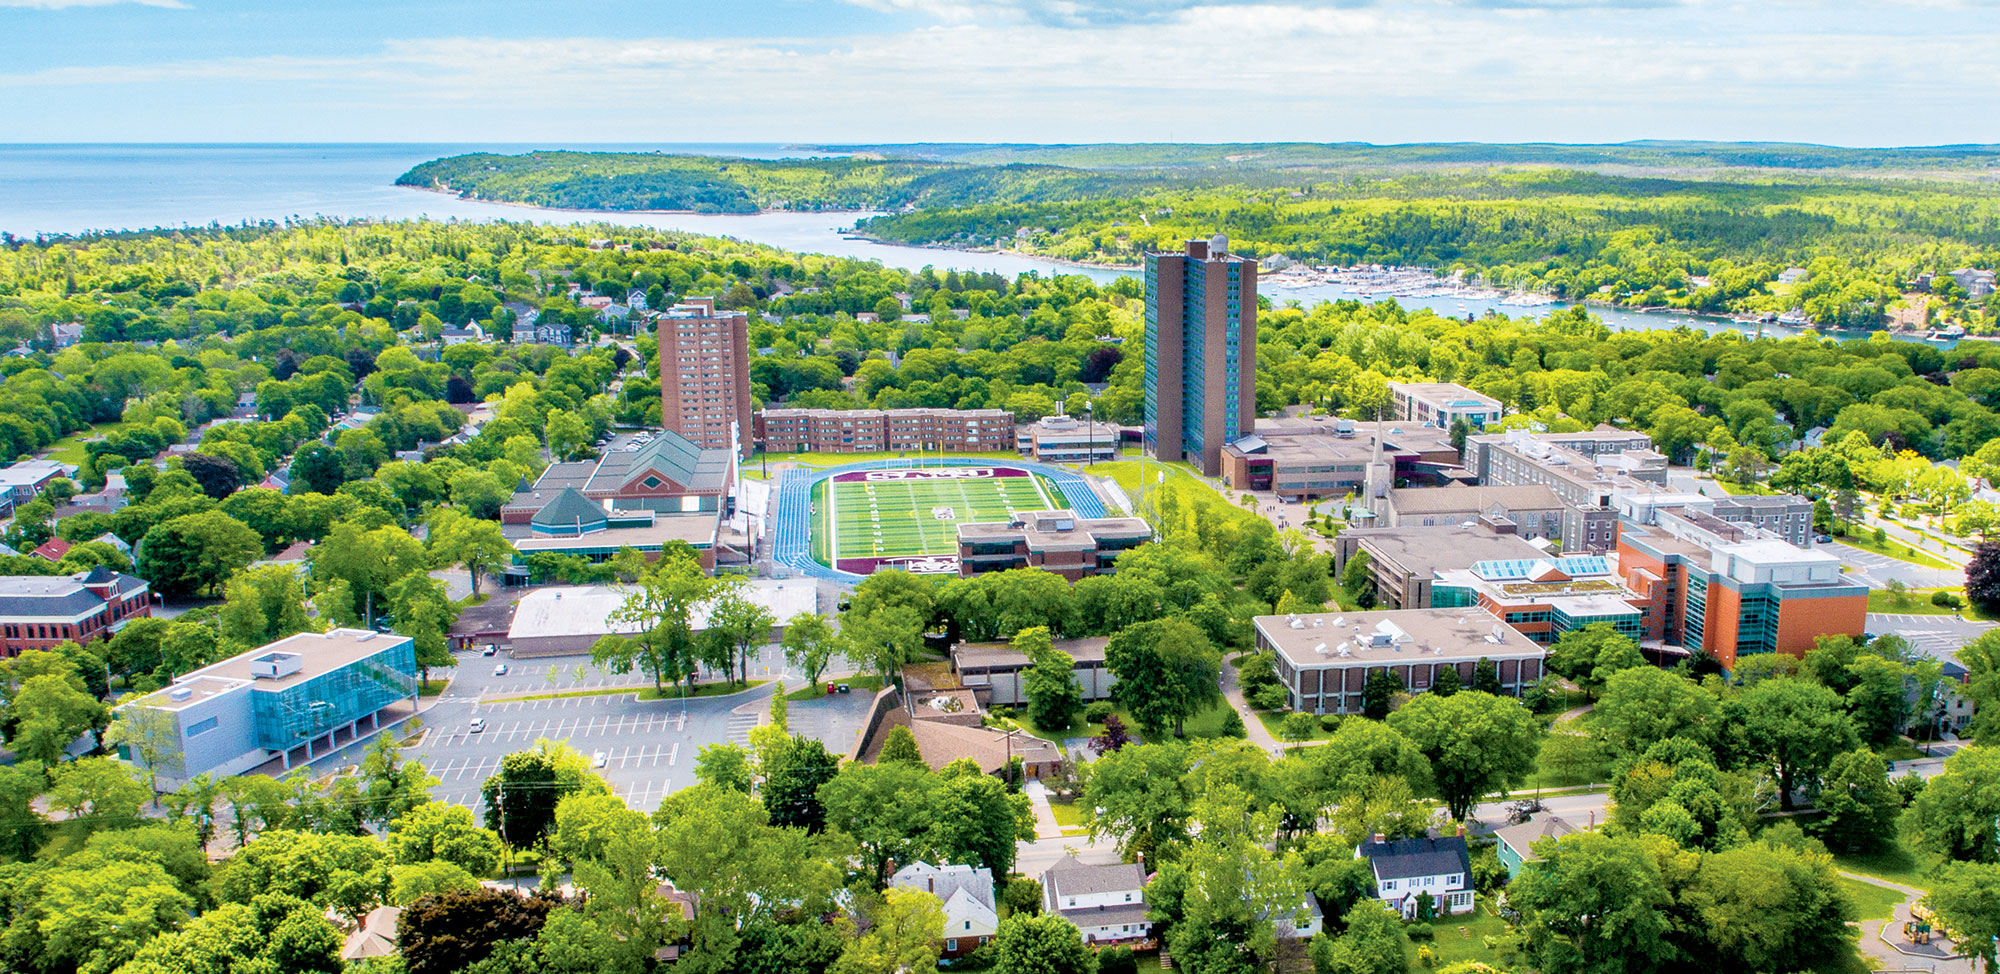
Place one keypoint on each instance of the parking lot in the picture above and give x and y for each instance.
(1936, 636)
(648, 747)
(1875, 570)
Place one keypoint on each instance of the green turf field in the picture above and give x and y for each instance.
(892, 519)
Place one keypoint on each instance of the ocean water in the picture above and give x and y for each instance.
(77, 188)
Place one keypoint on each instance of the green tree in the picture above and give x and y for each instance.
(904, 935)
(740, 624)
(1590, 655)
(49, 713)
(1378, 694)
(1644, 705)
(262, 606)
(724, 765)
(1371, 944)
(1795, 728)
(1860, 804)
(1476, 743)
(470, 542)
(1955, 816)
(884, 638)
(1966, 899)
(1763, 908)
(900, 747)
(275, 933)
(809, 644)
(1029, 943)
(521, 798)
(424, 612)
(442, 832)
(794, 772)
(368, 561)
(1055, 699)
(1447, 682)
(152, 738)
(91, 913)
(457, 929)
(1593, 903)
(1167, 671)
(659, 611)
(888, 809)
(99, 791)
(196, 552)
(1139, 796)
(1486, 677)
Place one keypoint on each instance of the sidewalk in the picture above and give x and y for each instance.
(1046, 826)
(1253, 728)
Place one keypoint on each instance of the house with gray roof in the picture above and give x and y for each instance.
(666, 475)
(1107, 903)
(970, 915)
(1517, 842)
(1406, 869)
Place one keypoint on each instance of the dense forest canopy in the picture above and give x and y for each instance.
(1702, 228)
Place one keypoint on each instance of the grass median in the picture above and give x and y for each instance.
(642, 692)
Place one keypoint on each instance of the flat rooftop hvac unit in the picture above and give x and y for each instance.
(276, 666)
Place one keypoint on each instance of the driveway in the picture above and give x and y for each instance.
(1876, 570)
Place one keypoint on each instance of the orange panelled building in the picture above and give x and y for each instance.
(1732, 590)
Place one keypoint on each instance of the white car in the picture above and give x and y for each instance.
(478, 724)
(597, 760)
(500, 670)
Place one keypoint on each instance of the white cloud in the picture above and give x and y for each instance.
(1264, 71)
(68, 4)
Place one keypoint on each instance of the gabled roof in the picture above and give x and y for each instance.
(1070, 877)
(1426, 856)
(670, 457)
(947, 881)
(53, 549)
(1522, 838)
(570, 509)
(376, 937)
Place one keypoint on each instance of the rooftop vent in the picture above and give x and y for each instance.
(180, 693)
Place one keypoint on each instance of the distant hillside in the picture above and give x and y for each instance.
(706, 184)
(1357, 155)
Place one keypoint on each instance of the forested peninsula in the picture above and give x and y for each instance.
(1690, 226)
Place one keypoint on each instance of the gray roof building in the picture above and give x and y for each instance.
(1425, 856)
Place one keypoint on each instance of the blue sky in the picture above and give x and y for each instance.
(1895, 72)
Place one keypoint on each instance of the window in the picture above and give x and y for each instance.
(1388, 884)
(202, 726)
(951, 944)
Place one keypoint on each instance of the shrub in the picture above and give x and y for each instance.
(1947, 600)
(1421, 931)
(1096, 712)
(1117, 960)
(1329, 722)
(1002, 713)
(1232, 725)
(1270, 696)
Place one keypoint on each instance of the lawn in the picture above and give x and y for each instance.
(1871, 902)
(1463, 938)
(431, 688)
(1274, 719)
(1894, 863)
(1127, 475)
(1070, 815)
(70, 448)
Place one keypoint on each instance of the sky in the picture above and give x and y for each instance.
(1890, 72)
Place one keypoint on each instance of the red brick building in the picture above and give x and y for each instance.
(705, 374)
(41, 612)
(873, 430)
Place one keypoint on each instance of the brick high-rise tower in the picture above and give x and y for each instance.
(1201, 352)
(705, 375)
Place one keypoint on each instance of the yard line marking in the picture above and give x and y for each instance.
(675, 756)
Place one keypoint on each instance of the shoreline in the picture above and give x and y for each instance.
(856, 233)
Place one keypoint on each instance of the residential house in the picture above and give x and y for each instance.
(51, 550)
(1107, 903)
(636, 298)
(42, 611)
(1406, 869)
(470, 334)
(971, 917)
(67, 333)
(1517, 842)
(26, 479)
(375, 937)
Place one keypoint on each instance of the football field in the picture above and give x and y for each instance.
(910, 518)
